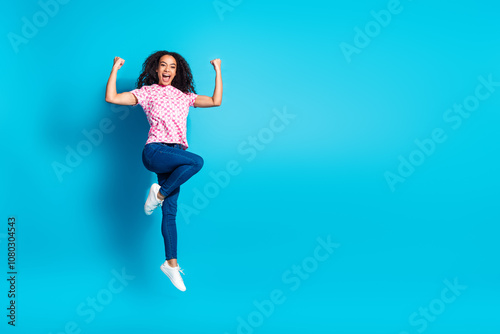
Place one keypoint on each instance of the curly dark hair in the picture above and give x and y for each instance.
(183, 79)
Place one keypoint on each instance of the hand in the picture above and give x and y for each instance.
(118, 63)
(216, 63)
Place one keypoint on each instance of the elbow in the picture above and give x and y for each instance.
(109, 99)
(216, 101)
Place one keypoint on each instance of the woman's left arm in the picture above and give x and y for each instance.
(203, 101)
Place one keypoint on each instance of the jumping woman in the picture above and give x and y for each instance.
(165, 90)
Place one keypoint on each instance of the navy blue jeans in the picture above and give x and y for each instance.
(173, 166)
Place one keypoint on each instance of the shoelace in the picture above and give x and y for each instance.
(181, 271)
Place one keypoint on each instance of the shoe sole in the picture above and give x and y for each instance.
(145, 210)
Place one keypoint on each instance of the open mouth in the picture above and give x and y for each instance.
(166, 77)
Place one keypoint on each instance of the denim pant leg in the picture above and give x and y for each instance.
(181, 165)
(168, 222)
(173, 167)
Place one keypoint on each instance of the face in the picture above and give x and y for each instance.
(166, 70)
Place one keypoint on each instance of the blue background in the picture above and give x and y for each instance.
(322, 176)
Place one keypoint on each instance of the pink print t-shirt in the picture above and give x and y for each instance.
(166, 108)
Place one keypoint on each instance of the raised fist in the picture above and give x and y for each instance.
(216, 63)
(118, 62)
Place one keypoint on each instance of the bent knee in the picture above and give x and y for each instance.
(198, 162)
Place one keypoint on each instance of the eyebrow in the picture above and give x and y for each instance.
(166, 63)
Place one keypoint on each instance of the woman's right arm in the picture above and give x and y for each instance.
(126, 98)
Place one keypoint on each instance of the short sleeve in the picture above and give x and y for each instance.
(191, 98)
(142, 95)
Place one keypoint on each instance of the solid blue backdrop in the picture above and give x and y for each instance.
(350, 182)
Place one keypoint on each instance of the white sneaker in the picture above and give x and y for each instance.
(152, 202)
(173, 274)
